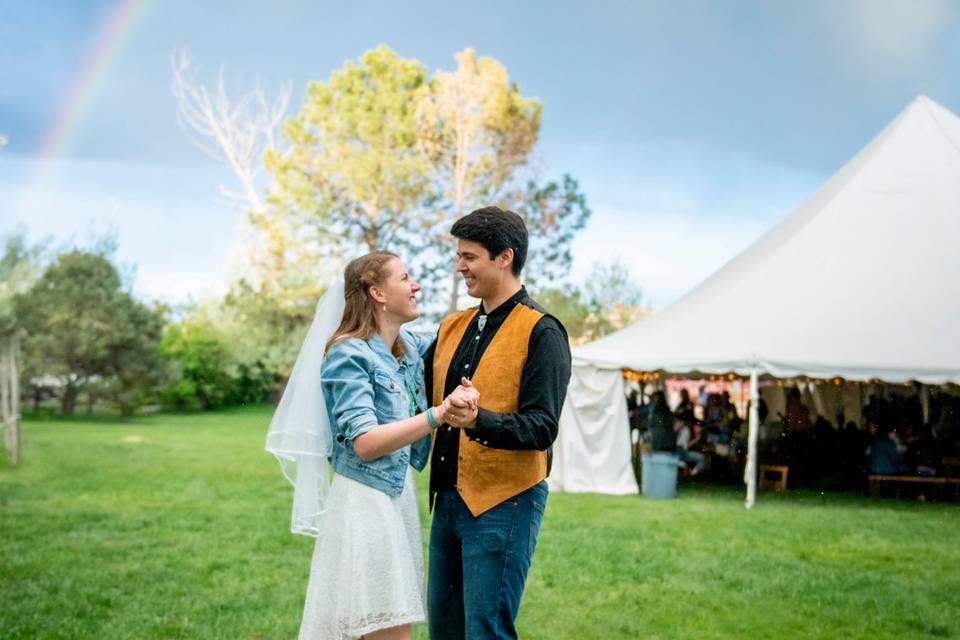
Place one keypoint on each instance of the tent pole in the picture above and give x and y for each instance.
(925, 402)
(750, 469)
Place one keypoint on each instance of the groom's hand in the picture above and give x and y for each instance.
(464, 405)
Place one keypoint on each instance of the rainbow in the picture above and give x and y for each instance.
(120, 24)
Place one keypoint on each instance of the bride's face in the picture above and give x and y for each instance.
(399, 290)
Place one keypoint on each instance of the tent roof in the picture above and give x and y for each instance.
(861, 281)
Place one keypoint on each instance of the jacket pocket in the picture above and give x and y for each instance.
(387, 396)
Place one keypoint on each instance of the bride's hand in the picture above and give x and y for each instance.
(462, 405)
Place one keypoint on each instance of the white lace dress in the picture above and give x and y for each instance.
(367, 569)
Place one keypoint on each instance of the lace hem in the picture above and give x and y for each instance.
(353, 629)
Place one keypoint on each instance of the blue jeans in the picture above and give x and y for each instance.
(478, 566)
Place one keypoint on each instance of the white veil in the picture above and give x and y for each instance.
(299, 434)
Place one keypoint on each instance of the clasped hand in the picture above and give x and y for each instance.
(459, 409)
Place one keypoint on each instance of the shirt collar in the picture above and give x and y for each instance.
(507, 306)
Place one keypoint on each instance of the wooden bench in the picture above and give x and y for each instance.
(875, 482)
(774, 476)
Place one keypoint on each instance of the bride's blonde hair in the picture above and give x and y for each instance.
(359, 311)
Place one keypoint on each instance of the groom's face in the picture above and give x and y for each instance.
(480, 273)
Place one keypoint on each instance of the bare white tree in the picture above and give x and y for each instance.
(236, 131)
(9, 377)
(10, 397)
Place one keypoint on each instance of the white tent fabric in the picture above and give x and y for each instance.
(591, 455)
(858, 282)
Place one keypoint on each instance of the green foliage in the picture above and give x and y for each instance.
(352, 176)
(178, 527)
(82, 327)
(203, 365)
(20, 266)
(382, 157)
(266, 326)
(607, 301)
(611, 284)
(479, 132)
(209, 374)
(569, 308)
(554, 212)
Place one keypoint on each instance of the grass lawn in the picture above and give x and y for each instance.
(176, 526)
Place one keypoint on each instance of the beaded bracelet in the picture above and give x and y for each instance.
(431, 419)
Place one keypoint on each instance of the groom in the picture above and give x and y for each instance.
(488, 473)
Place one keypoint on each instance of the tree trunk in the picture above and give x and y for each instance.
(91, 401)
(10, 399)
(68, 403)
(454, 293)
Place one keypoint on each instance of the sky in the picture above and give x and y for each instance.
(692, 126)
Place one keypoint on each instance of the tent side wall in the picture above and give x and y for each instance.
(592, 452)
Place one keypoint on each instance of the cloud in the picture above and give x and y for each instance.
(167, 225)
(178, 285)
(879, 34)
(668, 252)
(678, 213)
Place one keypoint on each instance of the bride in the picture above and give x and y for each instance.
(356, 402)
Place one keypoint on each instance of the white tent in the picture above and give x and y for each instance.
(859, 282)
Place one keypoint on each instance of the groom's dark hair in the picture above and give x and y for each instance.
(496, 230)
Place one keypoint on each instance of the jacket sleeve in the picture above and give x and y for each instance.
(348, 391)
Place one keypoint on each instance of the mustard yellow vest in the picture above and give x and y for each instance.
(486, 476)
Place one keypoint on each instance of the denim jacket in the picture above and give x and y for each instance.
(363, 386)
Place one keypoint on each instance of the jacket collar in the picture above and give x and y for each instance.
(379, 347)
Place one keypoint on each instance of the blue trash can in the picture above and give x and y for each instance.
(658, 476)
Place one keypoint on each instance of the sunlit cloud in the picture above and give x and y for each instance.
(880, 34)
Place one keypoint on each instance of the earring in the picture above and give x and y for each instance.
(384, 307)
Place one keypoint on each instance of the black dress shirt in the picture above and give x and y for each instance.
(543, 387)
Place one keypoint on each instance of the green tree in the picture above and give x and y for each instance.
(479, 132)
(607, 301)
(554, 212)
(613, 297)
(381, 158)
(567, 305)
(203, 362)
(266, 326)
(135, 369)
(81, 326)
(610, 284)
(352, 176)
(20, 266)
(351, 179)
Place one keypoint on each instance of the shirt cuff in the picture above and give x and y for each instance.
(488, 423)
